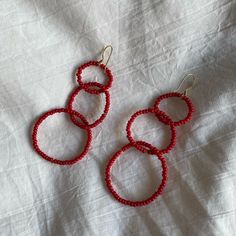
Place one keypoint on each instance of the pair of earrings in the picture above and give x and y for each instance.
(96, 89)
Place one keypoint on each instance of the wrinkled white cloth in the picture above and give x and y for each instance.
(156, 43)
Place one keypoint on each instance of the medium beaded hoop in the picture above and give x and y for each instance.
(154, 195)
(105, 111)
(158, 114)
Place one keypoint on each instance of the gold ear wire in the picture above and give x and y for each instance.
(190, 87)
(103, 54)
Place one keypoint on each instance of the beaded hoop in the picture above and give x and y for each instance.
(106, 71)
(52, 159)
(106, 108)
(181, 96)
(158, 114)
(154, 195)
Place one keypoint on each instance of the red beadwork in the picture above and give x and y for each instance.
(158, 114)
(52, 159)
(106, 108)
(154, 195)
(184, 98)
(148, 148)
(74, 114)
(106, 71)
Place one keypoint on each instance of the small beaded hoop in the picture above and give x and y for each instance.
(154, 195)
(52, 159)
(106, 71)
(184, 98)
(106, 108)
(158, 115)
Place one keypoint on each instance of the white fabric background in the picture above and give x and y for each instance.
(155, 44)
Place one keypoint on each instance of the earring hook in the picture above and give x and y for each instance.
(190, 87)
(103, 54)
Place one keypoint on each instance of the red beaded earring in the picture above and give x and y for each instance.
(74, 115)
(148, 148)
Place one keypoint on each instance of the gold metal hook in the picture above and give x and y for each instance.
(103, 54)
(190, 87)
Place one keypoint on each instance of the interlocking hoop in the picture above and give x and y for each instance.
(90, 87)
(159, 189)
(159, 114)
(105, 111)
(53, 159)
(148, 148)
(182, 97)
(86, 87)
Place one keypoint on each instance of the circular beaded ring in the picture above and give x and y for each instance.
(105, 111)
(85, 86)
(53, 159)
(159, 189)
(178, 95)
(158, 114)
